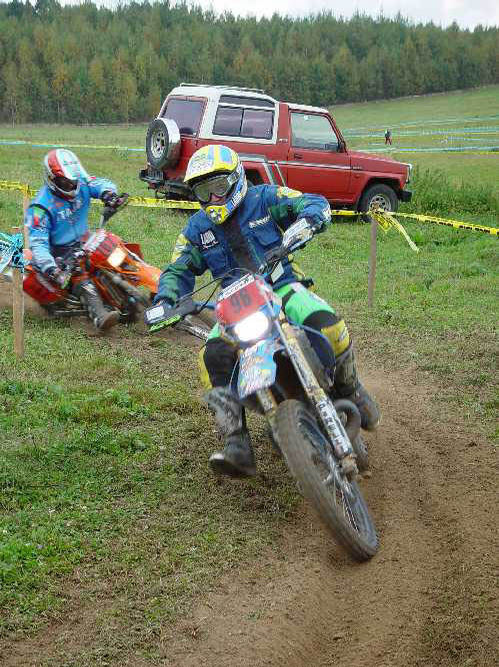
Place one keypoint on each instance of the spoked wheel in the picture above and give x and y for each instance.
(338, 501)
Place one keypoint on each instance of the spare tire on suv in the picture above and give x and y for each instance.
(163, 143)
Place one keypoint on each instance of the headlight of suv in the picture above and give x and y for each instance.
(409, 171)
(252, 327)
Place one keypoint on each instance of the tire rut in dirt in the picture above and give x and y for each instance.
(422, 601)
(425, 600)
(345, 514)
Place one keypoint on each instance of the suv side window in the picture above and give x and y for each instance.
(228, 121)
(312, 131)
(238, 122)
(186, 113)
(257, 124)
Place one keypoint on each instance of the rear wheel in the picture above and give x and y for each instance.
(337, 500)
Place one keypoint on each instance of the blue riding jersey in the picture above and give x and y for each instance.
(54, 222)
(242, 241)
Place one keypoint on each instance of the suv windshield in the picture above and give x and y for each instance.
(312, 131)
(186, 113)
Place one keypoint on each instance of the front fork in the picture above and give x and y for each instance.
(318, 397)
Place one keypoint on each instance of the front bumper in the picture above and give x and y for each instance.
(405, 195)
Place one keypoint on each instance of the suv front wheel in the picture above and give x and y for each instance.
(162, 143)
(380, 195)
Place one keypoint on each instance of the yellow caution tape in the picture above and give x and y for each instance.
(15, 185)
(151, 202)
(457, 224)
(345, 212)
(386, 221)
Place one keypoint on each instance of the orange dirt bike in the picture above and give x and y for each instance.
(116, 268)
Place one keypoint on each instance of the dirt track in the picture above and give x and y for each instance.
(427, 598)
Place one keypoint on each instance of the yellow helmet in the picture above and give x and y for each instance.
(217, 170)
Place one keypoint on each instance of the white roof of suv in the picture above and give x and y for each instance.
(215, 92)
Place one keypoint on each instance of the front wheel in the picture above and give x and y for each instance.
(337, 500)
(379, 196)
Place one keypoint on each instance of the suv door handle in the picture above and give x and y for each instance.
(298, 156)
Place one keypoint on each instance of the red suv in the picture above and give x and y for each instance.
(279, 143)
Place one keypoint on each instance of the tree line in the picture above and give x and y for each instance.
(86, 63)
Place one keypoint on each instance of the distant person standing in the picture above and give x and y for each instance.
(388, 137)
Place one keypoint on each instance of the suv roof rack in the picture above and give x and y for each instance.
(206, 85)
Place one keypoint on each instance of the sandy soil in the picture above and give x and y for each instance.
(426, 600)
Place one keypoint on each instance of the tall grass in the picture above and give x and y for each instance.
(434, 193)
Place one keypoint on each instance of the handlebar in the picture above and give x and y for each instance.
(277, 254)
(109, 210)
(162, 315)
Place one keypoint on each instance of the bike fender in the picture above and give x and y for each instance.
(257, 368)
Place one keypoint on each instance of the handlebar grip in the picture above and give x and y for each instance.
(162, 314)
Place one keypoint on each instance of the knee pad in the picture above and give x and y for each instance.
(336, 332)
(217, 361)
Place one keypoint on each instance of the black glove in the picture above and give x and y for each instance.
(113, 200)
(163, 300)
(59, 277)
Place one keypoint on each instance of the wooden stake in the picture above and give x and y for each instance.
(371, 284)
(18, 307)
(26, 201)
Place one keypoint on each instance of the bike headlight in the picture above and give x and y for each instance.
(252, 327)
(116, 257)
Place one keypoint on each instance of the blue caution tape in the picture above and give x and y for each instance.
(6, 142)
(11, 251)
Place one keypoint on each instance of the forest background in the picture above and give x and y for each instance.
(87, 64)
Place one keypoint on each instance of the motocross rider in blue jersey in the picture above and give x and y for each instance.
(235, 228)
(57, 220)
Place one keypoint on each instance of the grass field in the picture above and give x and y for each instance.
(462, 119)
(103, 443)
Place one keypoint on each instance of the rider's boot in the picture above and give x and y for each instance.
(347, 385)
(101, 317)
(237, 458)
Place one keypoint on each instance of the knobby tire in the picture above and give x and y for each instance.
(301, 440)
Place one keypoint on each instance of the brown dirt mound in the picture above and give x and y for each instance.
(6, 299)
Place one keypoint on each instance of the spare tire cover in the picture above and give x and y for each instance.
(162, 143)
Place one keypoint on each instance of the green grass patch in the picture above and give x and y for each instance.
(103, 442)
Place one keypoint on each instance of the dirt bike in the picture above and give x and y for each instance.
(116, 268)
(281, 376)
